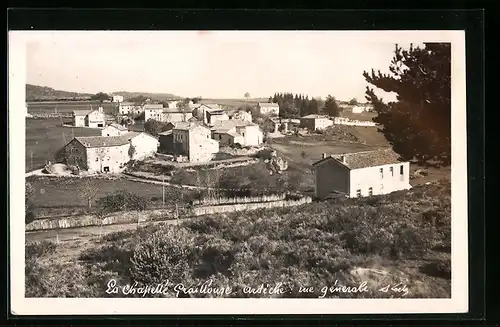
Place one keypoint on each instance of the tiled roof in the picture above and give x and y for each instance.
(366, 159)
(264, 104)
(105, 141)
(127, 103)
(226, 125)
(186, 126)
(82, 112)
(118, 127)
(153, 106)
(175, 110)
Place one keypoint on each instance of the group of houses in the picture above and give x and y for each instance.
(194, 133)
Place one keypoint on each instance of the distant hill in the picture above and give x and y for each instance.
(41, 93)
(152, 96)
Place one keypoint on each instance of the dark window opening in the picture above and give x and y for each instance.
(106, 169)
(401, 170)
(370, 191)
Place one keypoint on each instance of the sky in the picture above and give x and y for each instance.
(211, 64)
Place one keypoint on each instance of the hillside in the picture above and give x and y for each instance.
(398, 239)
(38, 93)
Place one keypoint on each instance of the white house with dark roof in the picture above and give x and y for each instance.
(361, 174)
(234, 131)
(109, 154)
(272, 109)
(114, 130)
(89, 118)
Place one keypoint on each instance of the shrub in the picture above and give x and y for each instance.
(120, 201)
(163, 256)
(183, 177)
(39, 249)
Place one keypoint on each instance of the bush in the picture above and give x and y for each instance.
(120, 201)
(183, 177)
(163, 256)
(39, 249)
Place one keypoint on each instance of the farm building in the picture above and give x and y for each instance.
(117, 98)
(109, 154)
(272, 109)
(126, 108)
(315, 122)
(361, 174)
(89, 118)
(234, 131)
(360, 108)
(114, 130)
(190, 139)
(210, 113)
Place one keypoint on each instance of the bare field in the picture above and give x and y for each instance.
(44, 137)
(68, 106)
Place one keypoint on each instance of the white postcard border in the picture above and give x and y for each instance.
(40, 306)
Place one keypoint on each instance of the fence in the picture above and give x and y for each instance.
(209, 210)
(156, 214)
(246, 199)
(50, 115)
(92, 220)
(347, 121)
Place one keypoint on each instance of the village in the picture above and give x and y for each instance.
(195, 134)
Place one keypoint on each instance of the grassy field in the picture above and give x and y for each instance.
(44, 137)
(368, 116)
(68, 106)
(60, 195)
(398, 239)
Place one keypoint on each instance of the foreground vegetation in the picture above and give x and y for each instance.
(398, 239)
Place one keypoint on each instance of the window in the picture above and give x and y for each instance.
(392, 171)
(96, 159)
(370, 191)
(381, 172)
(401, 170)
(358, 193)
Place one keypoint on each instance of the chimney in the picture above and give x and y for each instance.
(323, 156)
(342, 158)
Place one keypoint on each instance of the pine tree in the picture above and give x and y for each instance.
(418, 124)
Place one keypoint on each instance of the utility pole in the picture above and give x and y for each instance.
(163, 191)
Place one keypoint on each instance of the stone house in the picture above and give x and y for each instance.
(175, 114)
(361, 174)
(109, 154)
(117, 98)
(238, 131)
(315, 122)
(190, 139)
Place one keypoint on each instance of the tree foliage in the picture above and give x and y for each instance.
(154, 127)
(331, 106)
(295, 105)
(101, 96)
(418, 124)
(353, 102)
